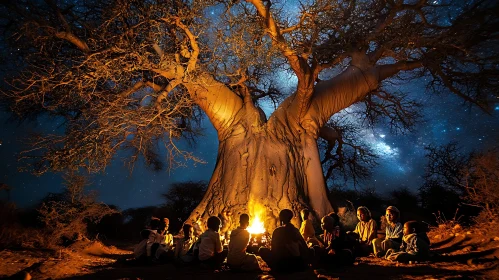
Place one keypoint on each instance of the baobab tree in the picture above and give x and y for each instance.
(131, 74)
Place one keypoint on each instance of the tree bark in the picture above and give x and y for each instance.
(275, 165)
(268, 169)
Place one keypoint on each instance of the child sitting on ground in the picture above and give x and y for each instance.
(415, 245)
(164, 240)
(152, 241)
(393, 230)
(333, 250)
(184, 244)
(364, 232)
(239, 239)
(211, 253)
(140, 250)
(307, 228)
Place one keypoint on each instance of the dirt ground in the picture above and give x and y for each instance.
(460, 254)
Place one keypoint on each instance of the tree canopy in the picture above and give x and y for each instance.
(129, 75)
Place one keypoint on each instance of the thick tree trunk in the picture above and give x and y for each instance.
(275, 165)
(265, 170)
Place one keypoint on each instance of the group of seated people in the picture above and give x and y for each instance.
(291, 249)
(401, 243)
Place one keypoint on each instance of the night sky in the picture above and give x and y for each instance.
(401, 162)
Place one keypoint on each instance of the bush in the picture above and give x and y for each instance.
(481, 181)
(66, 216)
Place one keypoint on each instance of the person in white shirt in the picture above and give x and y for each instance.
(154, 238)
(165, 241)
(364, 232)
(393, 233)
(140, 250)
(211, 252)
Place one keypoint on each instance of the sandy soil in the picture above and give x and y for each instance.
(459, 255)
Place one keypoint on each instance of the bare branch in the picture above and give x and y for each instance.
(304, 16)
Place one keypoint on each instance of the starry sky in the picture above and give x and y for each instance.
(401, 156)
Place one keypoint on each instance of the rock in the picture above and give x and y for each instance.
(496, 238)
(468, 232)
(457, 227)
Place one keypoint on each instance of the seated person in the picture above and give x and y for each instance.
(140, 251)
(333, 250)
(393, 237)
(364, 232)
(154, 238)
(288, 251)
(307, 228)
(165, 241)
(184, 244)
(415, 245)
(239, 239)
(211, 252)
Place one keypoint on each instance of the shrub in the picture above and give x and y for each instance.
(66, 216)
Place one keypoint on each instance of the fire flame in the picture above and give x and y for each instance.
(256, 226)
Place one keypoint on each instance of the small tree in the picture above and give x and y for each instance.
(465, 179)
(66, 216)
(481, 181)
(445, 165)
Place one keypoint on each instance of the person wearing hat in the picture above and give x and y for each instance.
(394, 232)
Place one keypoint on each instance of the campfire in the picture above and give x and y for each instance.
(256, 226)
(259, 236)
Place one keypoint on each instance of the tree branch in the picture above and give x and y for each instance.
(193, 59)
(297, 26)
(306, 76)
(352, 85)
(70, 37)
(329, 134)
(436, 71)
(220, 104)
